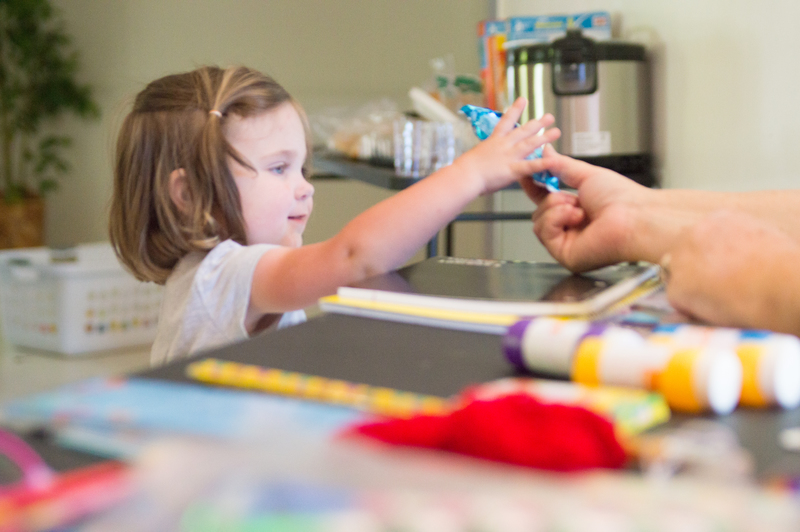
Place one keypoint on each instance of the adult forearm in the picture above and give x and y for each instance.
(658, 219)
(736, 270)
(779, 310)
(777, 207)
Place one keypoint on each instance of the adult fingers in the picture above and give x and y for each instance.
(571, 171)
(553, 223)
(536, 193)
(530, 166)
(553, 199)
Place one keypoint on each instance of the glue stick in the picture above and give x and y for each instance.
(692, 380)
(683, 334)
(616, 356)
(546, 345)
(586, 352)
(771, 370)
(697, 379)
(770, 361)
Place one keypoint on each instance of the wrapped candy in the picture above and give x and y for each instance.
(484, 121)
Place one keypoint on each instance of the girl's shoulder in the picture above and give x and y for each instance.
(223, 249)
(231, 255)
(230, 249)
(203, 261)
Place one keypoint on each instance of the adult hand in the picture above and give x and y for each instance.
(735, 270)
(594, 227)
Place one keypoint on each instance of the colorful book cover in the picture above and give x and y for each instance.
(547, 28)
(491, 42)
(118, 414)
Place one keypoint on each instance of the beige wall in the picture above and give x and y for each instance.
(726, 79)
(325, 52)
(726, 74)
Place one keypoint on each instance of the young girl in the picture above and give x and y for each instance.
(211, 199)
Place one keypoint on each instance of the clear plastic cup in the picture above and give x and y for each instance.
(422, 146)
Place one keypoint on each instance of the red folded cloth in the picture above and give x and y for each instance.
(516, 429)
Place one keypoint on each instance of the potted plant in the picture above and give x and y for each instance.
(37, 84)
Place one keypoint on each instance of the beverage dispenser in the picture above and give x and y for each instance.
(599, 93)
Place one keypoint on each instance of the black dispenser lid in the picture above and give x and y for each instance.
(572, 43)
(573, 48)
(574, 65)
(574, 60)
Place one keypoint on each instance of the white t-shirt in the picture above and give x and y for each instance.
(205, 301)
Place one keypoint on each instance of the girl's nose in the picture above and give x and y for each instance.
(304, 189)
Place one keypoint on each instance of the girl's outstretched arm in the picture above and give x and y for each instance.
(385, 236)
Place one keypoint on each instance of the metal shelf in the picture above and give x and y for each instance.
(330, 165)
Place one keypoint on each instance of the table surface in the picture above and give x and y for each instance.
(443, 362)
(407, 357)
(25, 372)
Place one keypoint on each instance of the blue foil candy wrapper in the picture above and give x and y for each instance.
(484, 121)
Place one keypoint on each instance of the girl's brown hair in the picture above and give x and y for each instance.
(177, 123)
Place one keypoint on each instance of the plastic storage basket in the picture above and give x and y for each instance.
(74, 301)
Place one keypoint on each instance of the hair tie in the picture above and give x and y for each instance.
(215, 113)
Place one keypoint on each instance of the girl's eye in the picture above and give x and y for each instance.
(279, 169)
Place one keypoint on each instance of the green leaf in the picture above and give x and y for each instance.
(47, 185)
(38, 83)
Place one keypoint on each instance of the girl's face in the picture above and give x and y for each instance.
(276, 198)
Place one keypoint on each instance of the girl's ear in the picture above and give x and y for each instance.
(179, 190)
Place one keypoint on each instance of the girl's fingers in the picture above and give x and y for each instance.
(549, 150)
(532, 128)
(510, 118)
(528, 145)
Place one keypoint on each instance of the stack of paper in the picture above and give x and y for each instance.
(489, 295)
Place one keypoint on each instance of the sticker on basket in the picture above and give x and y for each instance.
(107, 308)
(26, 273)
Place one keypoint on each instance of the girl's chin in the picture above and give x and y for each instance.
(294, 241)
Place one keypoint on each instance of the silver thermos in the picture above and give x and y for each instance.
(599, 93)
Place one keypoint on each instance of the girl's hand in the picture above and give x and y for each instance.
(500, 160)
(735, 270)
